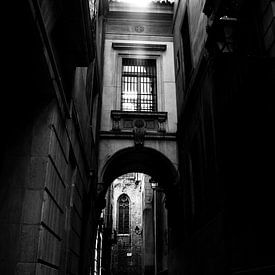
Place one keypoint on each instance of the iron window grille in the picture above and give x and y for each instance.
(139, 85)
(123, 215)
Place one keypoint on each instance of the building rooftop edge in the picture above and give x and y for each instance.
(152, 7)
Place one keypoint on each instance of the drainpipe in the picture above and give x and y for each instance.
(154, 186)
(155, 228)
(100, 253)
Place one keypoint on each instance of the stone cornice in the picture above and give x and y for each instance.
(139, 46)
(152, 115)
(112, 36)
(130, 135)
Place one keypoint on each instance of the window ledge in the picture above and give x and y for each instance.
(150, 121)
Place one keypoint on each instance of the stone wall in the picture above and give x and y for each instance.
(221, 117)
(47, 150)
(127, 253)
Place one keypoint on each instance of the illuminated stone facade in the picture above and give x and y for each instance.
(127, 252)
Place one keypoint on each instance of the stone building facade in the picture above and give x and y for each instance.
(144, 248)
(224, 63)
(133, 34)
(127, 253)
(138, 119)
(49, 151)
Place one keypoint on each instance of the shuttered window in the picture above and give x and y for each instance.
(139, 85)
(123, 214)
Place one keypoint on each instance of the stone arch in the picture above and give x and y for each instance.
(145, 160)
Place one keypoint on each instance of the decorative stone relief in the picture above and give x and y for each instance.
(139, 132)
(127, 123)
(152, 122)
(139, 28)
(116, 122)
(161, 121)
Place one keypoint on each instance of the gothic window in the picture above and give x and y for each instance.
(139, 85)
(123, 214)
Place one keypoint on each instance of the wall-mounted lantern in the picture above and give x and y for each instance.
(138, 230)
(113, 237)
(223, 33)
(154, 183)
(227, 40)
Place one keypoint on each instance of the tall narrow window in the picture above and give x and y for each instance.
(123, 214)
(139, 85)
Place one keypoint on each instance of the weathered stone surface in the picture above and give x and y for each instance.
(11, 205)
(46, 270)
(46, 146)
(31, 210)
(25, 269)
(9, 251)
(28, 243)
(38, 172)
(128, 251)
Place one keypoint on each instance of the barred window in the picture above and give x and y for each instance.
(139, 85)
(123, 214)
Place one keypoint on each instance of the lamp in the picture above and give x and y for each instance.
(223, 33)
(154, 183)
(138, 230)
(113, 237)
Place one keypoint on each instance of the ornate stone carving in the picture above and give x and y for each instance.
(139, 123)
(161, 121)
(139, 28)
(127, 124)
(139, 132)
(116, 122)
(150, 124)
(127, 121)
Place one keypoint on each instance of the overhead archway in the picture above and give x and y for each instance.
(145, 160)
(154, 203)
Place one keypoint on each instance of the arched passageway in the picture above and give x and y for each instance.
(145, 160)
(154, 226)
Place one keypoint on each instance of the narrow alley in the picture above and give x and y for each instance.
(137, 138)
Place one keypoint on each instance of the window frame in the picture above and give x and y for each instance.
(159, 84)
(118, 216)
(143, 74)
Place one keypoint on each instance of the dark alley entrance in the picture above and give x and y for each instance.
(136, 242)
(135, 227)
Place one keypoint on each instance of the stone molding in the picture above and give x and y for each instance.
(130, 135)
(139, 46)
(129, 121)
